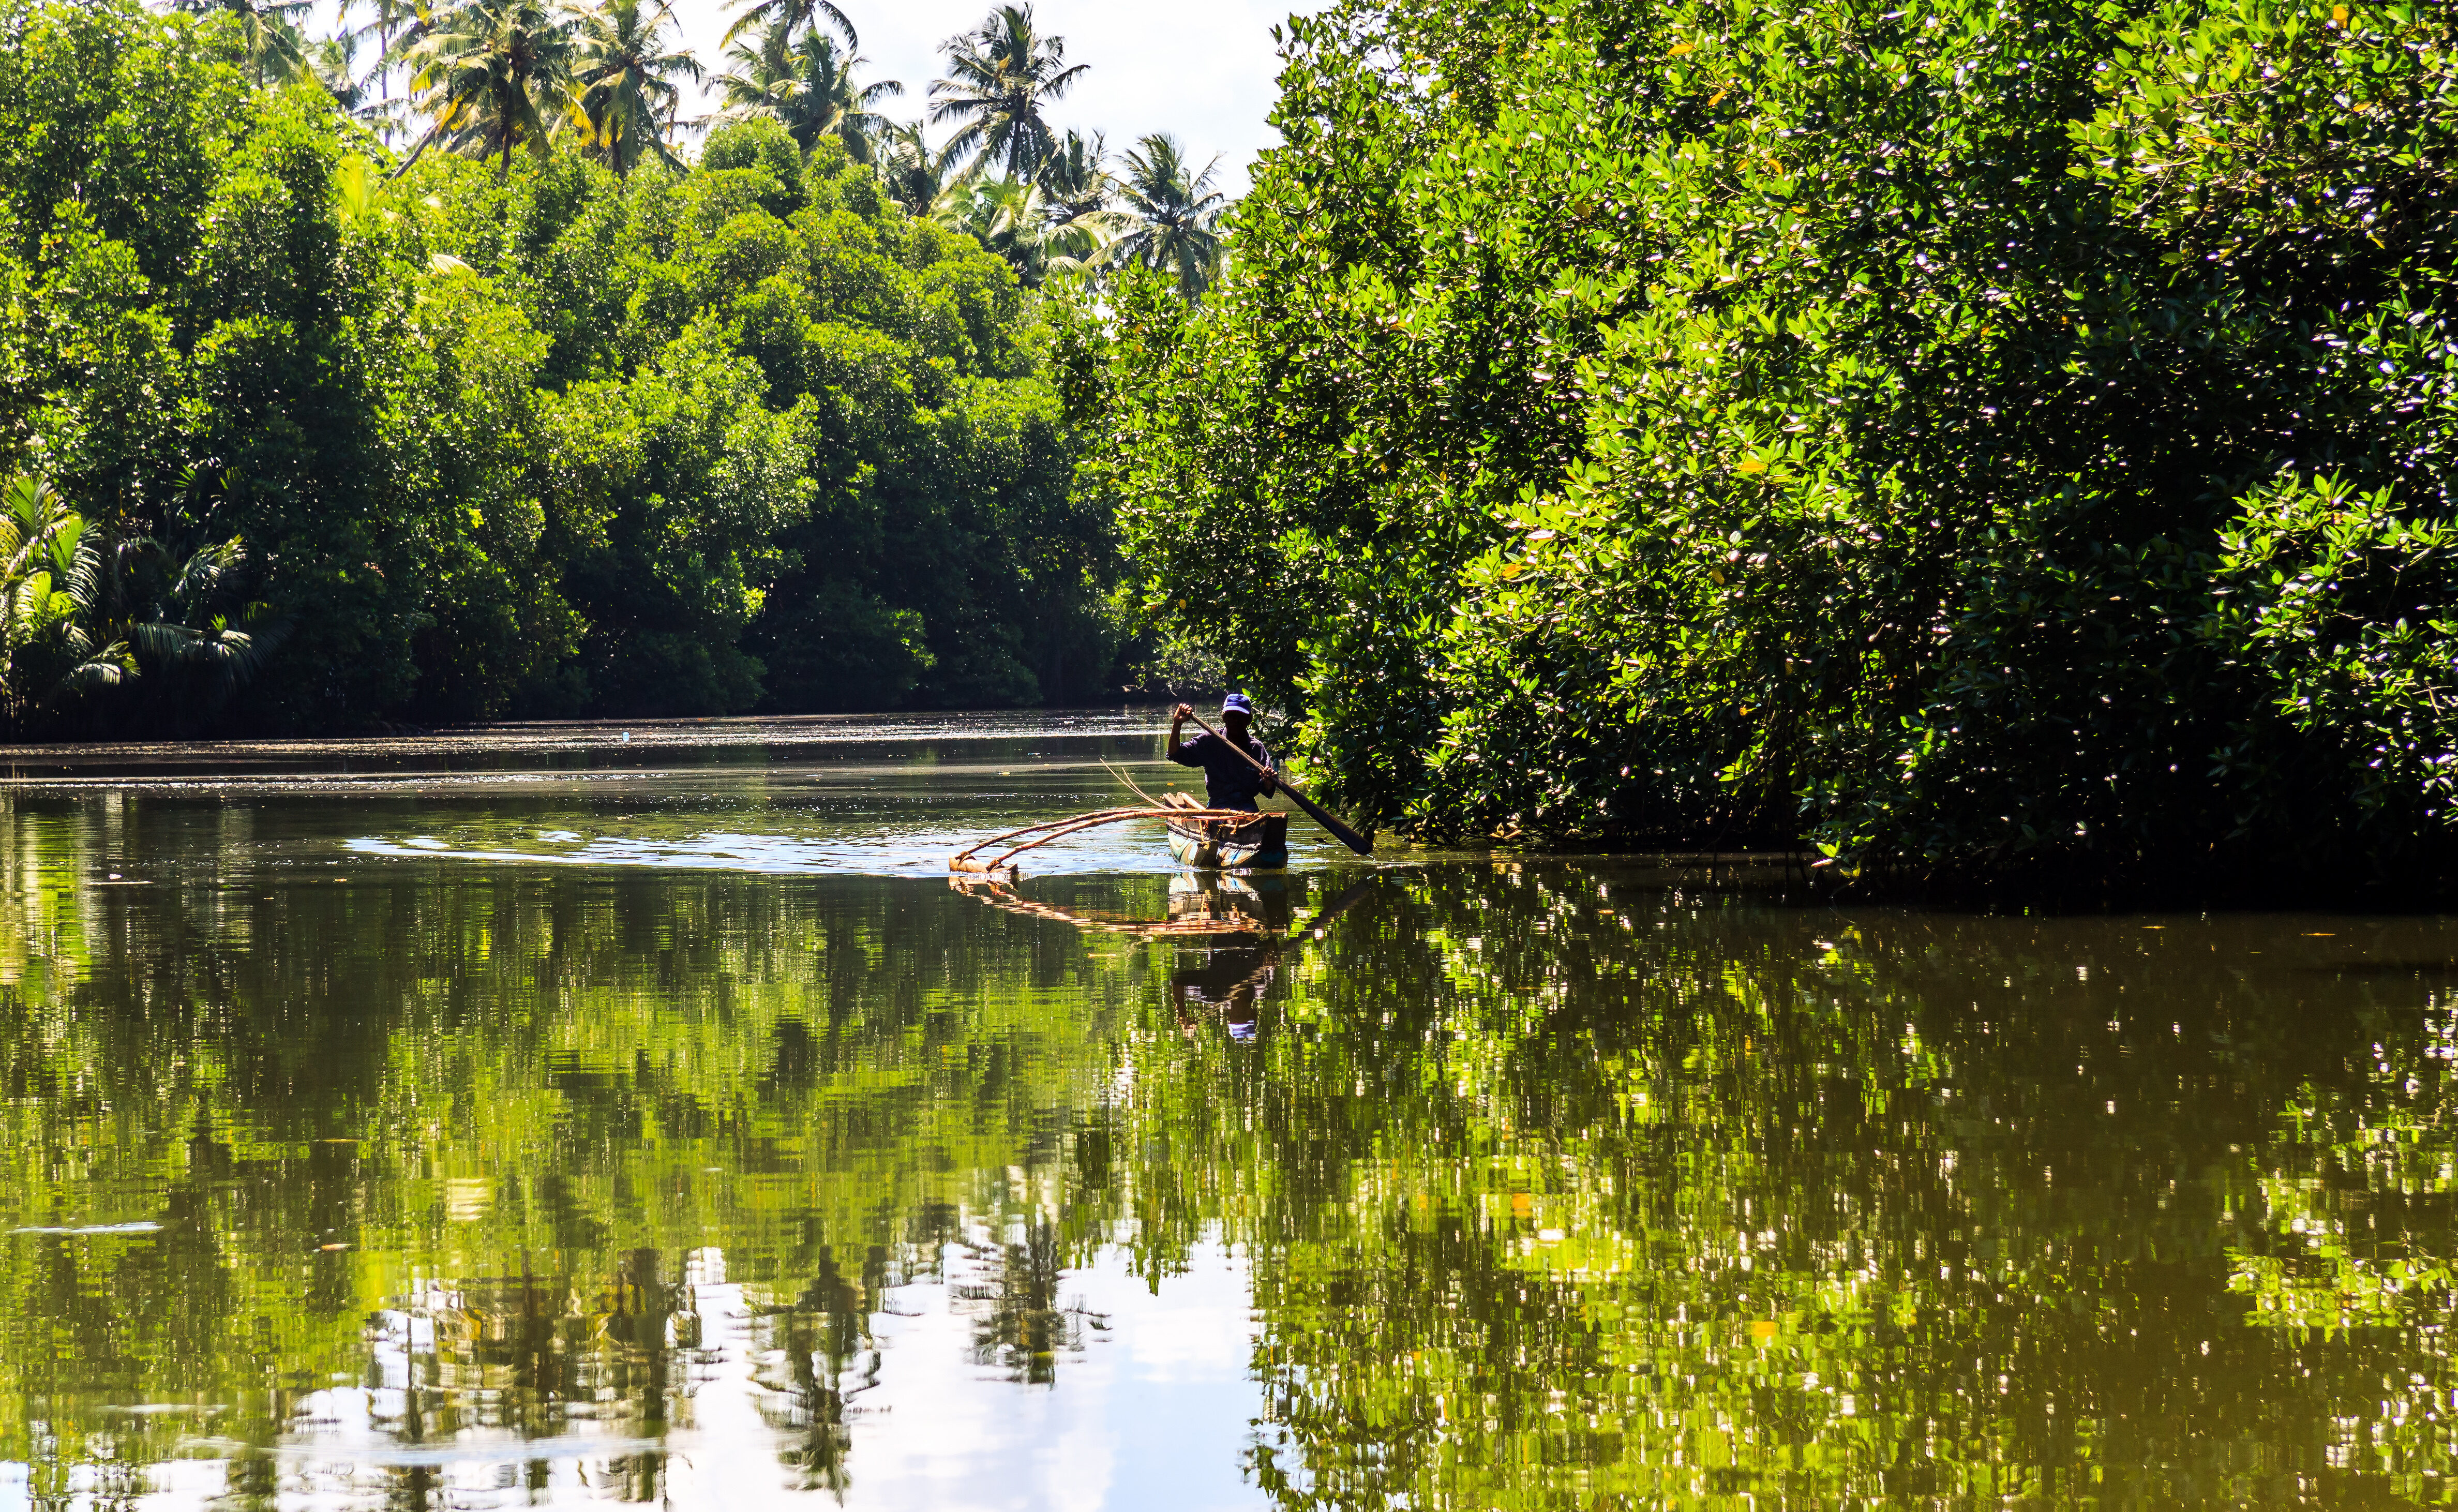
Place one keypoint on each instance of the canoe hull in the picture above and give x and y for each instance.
(1231, 845)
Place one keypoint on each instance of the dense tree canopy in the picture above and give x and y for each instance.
(1971, 435)
(539, 419)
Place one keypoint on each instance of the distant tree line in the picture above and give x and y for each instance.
(459, 387)
(1975, 438)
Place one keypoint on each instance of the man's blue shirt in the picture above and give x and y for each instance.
(1228, 782)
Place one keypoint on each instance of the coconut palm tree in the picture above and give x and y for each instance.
(792, 17)
(1021, 222)
(269, 34)
(1170, 215)
(808, 84)
(493, 76)
(386, 19)
(1009, 216)
(916, 176)
(1076, 182)
(1000, 75)
(627, 78)
(48, 568)
(953, 206)
(330, 61)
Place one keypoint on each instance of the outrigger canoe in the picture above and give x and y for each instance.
(1241, 840)
(1247, 842)
(1201, 838)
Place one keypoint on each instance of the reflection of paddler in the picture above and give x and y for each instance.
(1234, 978)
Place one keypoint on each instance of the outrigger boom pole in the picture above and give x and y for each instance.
(1049, 830)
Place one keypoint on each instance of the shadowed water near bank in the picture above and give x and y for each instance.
(504, 1138)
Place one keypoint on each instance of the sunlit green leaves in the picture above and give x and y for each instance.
(540, 434)
(1832, 424)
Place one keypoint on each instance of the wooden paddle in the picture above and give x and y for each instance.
(1362, 844)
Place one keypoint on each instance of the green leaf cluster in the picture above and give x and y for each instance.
(1984, 440)
(523, 438)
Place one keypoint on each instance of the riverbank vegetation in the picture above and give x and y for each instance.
(430, 373)
(2010, 440)
(1970, 440)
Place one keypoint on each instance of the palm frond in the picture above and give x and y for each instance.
(791, 16)
(808, 84)
(495, 75)
(1172, 215)
(1000, 75)
(107, 668)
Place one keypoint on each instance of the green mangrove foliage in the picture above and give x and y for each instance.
(571, 428)
(2011, 438)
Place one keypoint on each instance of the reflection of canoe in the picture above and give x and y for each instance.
(1248, 841)
(1259, 903)
(1197, 908)
(1205, 906)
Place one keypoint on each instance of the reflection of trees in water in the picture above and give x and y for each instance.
(300, 1078)
(1019, 1322)
(536, 1356)
(1578, 1199)
(612, 1355)
(1559, 1189)
(817, 1355)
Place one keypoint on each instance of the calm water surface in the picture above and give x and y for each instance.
(665, 1128)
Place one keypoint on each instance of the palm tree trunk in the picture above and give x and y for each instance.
(414, 151)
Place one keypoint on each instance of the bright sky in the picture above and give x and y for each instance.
(1204, 72)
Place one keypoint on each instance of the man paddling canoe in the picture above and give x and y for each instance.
(1229, 782)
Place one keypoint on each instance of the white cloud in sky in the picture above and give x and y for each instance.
(1204, 72)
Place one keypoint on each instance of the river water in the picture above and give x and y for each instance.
(570, 1119)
